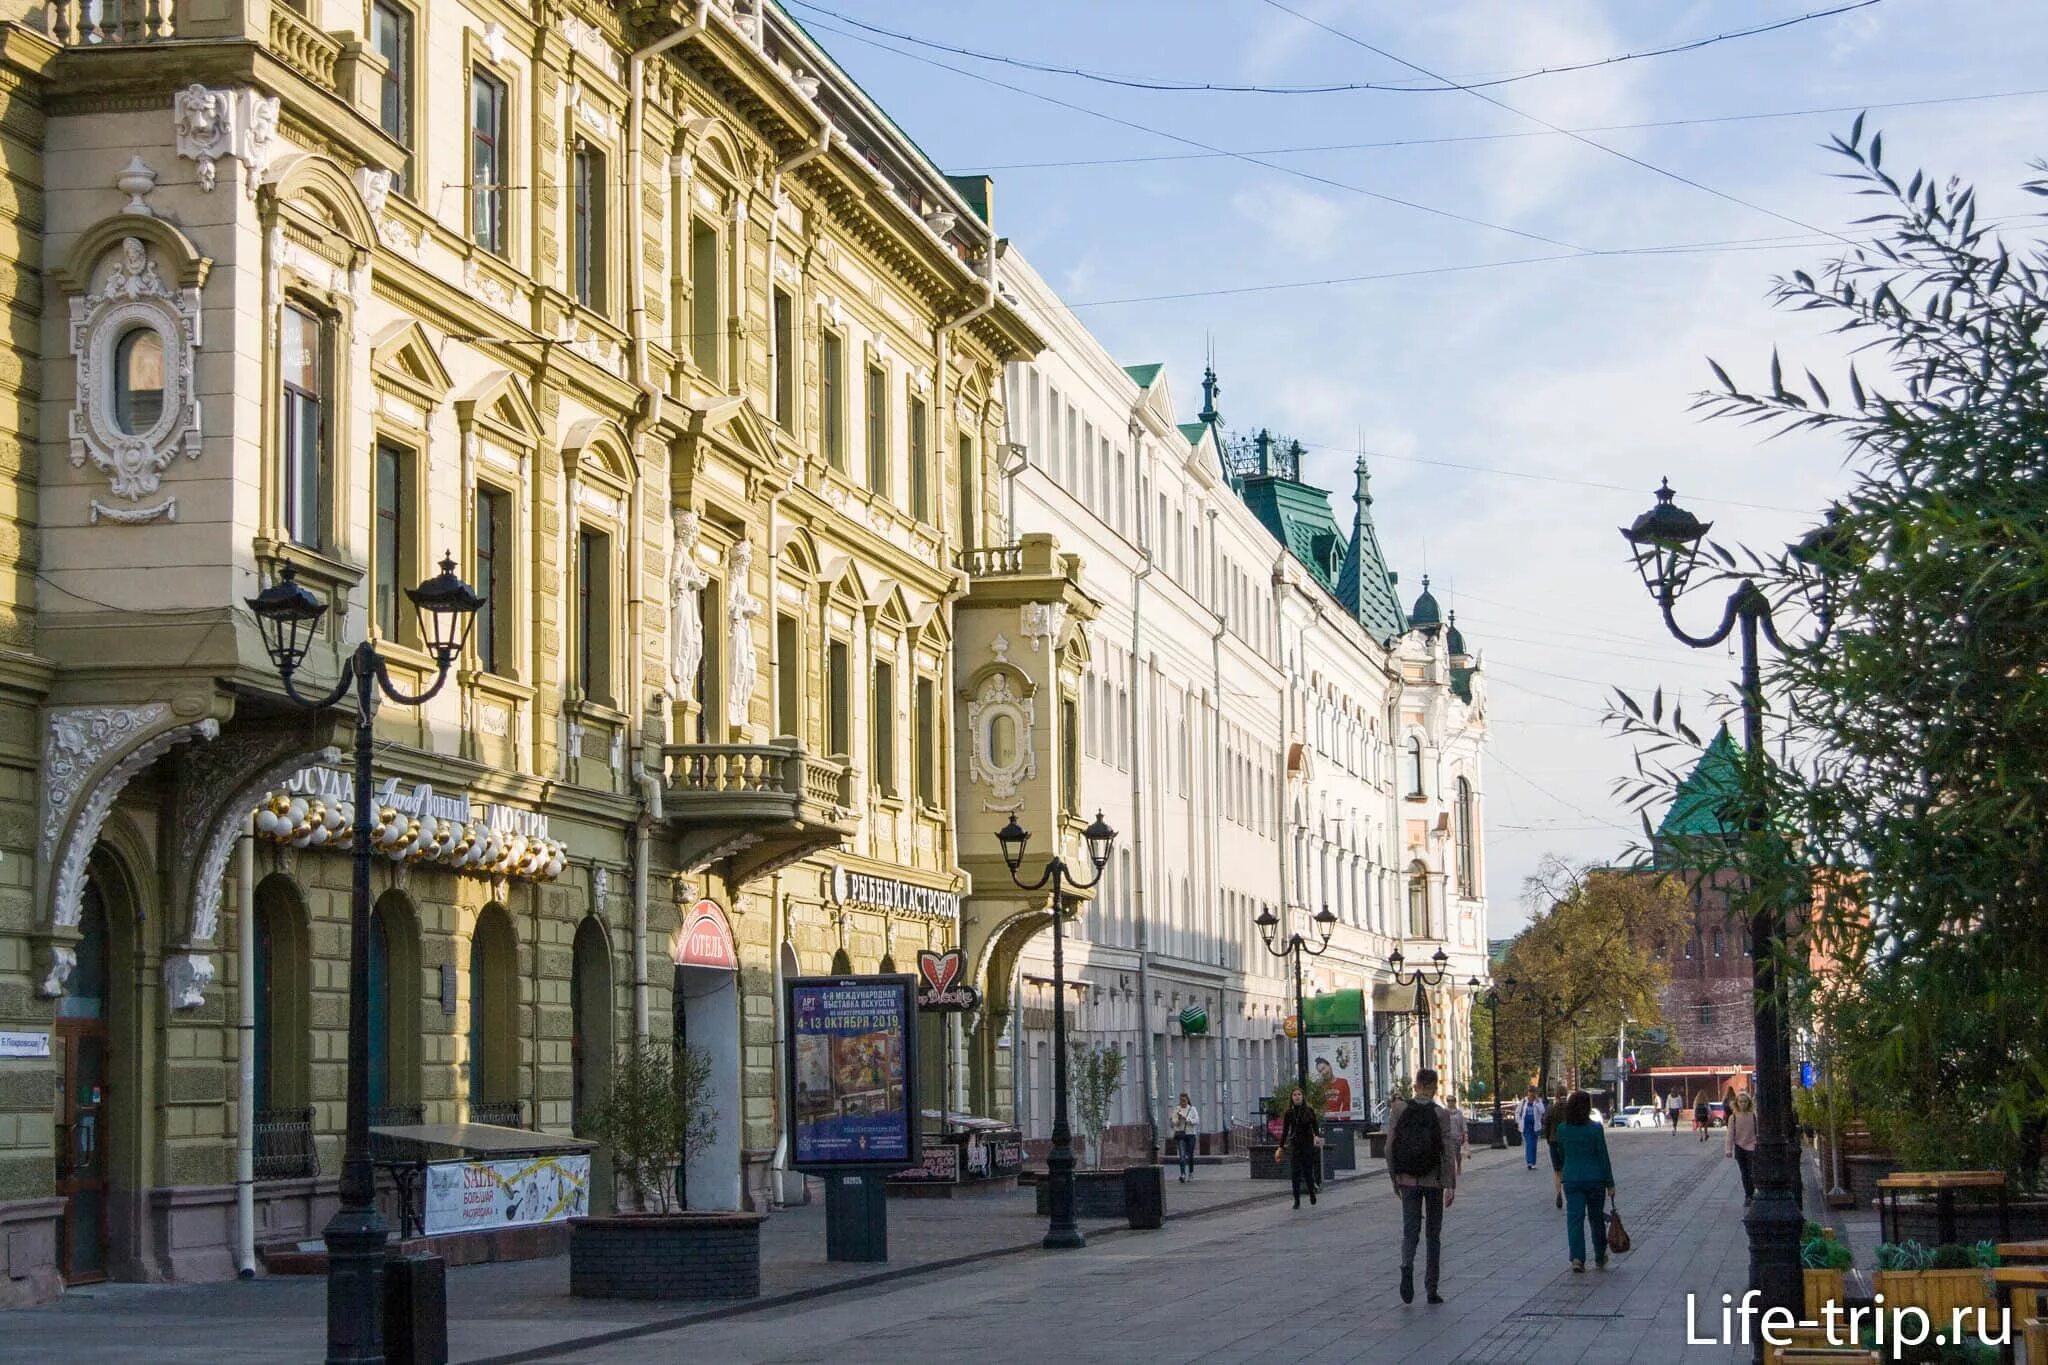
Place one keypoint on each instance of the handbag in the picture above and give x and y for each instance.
(1618, 1240)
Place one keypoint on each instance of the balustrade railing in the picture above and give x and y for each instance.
(755, 769)
(991, 560)
(303, 46)
(94, 23)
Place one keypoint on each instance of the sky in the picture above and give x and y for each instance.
(1519, 386)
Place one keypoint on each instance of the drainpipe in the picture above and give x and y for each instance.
(636, 138)
(1215, 747)
(820, 143)
(1138, 717)
(245, 1058)
(643, 841)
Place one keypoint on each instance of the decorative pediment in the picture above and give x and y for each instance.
(595, 447)
(739, 428)
(498, 406)
(402, 356)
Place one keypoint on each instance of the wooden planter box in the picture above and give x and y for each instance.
(1939, 1292)
(1823, 1287)
(666, 1256)
(1263, 1167)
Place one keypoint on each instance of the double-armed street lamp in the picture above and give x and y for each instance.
(288, 613)
(1294, 945)
(1440, 966)
(1062, 1232)
(1492, 998)
(1665, 544)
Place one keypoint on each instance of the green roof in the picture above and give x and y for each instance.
(1461, 683)
(1144, 374)
(1363, 585)
(1299, 516)
(1705, 804)
(1193, 431)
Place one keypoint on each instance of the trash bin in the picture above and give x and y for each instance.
(1145, 1195)
(416, 1310)
(856, 1218)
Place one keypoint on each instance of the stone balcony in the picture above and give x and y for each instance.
(761, 805)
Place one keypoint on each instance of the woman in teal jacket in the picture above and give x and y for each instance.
(1578, 1159)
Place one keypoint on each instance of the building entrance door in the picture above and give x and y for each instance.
(82, 1109)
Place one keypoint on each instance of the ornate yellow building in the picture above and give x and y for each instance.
(648, 318)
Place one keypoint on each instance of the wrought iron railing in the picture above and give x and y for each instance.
(503, 1113)
(284, 1144)
(393, 1116)
(95, 23)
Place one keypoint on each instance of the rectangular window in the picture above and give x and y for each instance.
(587, 226)
(789, 674)
(832, 400)
(594, 614)
(927, 720)
(878, 429)
(1070, 756)
(303, 363)
(710, 669)
(487, 161)
(391, 559)
(494, 579)
(391, 31)
(882, 728)
(969, 533)
(920, 464)
(704, 318)
(784, 317)
(839, 695)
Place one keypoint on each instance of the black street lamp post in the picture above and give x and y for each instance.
(357, 1232)
(1062, 1232)
(1295, 945)
(1440, 966)
(1665, 544)
(1492, 998)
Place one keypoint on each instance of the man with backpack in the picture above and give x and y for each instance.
(1425, 1150)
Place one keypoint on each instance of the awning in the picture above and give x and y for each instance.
(1336, 1012)
(1388, 998)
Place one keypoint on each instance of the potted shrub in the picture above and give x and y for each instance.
(657, 1117)
(1939, 1279)
(1826, 1260)
(1094, 1075)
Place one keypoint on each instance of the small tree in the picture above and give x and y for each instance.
(1314, 1092)
(657, 1117)
(1098, 1072)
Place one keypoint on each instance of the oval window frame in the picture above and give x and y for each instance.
(118, 357)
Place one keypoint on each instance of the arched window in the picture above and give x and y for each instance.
(277, 980)
(1418, 901)
(1706, 1014)
(493, 1019)
(1468, 850)
(1720, 943)
(1415, 766)
(139, 380)
(590, 1011)
(394, 1011)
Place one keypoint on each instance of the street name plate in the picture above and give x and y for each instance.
(24, 1044)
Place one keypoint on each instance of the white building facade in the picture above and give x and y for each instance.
(1242, 729)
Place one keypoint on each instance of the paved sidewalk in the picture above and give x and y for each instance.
(496, 1309)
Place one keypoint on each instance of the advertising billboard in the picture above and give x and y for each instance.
(1339, 1060)
(852, 1072)
(469, 1196)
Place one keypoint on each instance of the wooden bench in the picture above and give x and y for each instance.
(1943, 1186)
(2010, 1282)
(2024, 1253)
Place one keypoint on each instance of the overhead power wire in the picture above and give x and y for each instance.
(1178, 85)
(1581, 138)
(1295, 171)
(1395, 143)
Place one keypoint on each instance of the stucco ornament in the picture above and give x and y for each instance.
(1002, 752)
(741, 607)
(214, 124)
(54, 965)
(186, 977)
(686, 579)
(135, 440)
(1041, 622)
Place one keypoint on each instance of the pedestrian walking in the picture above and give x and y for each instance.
(1741, 1143)
(1674, 1104)
(1700, 1117)
(1529, 1115)
(1187, 1122)
(1425, 1152)
(1301, 1138)
(1585, 1178)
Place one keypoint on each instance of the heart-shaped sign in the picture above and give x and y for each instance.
(940, 970)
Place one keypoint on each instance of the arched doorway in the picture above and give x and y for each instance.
(493, 1020)
(591, 1010)
(394, 1009)
(706, 1017)
(84, 1135)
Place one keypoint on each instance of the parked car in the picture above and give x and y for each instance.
(1639, 1116)
(1717, 1114)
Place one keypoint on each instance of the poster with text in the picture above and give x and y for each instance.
(1338, 1059)
(852, 1044)
(470, 1196)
